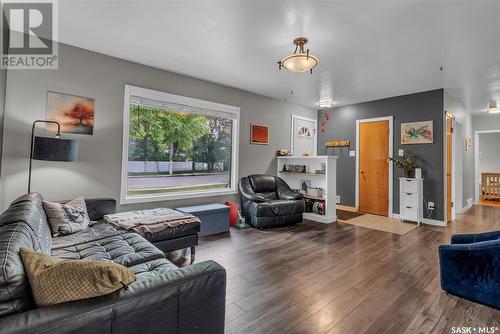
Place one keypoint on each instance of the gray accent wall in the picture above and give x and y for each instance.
(97, 173)
(422, 106)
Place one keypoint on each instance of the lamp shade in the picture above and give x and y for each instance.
(55, 149)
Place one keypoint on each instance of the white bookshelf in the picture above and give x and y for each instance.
(327, 181)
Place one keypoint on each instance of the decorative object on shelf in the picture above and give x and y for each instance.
(283, 153)
(493, 108)
(259, 134)
(326, 118)
(338, 143)
(301, 60)
(307, 154)
(304, 185)
(315, 192)
(75, 114)
(284, 169)
(468, 143)
(406, 162)
(417, 133)
(296, 168)
(51, 149)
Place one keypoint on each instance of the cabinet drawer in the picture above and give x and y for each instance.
(410, 199)
(409, 186)
(410, 212)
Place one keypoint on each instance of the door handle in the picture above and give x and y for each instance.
(362, 171)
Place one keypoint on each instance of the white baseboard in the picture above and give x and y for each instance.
(426, 221)
(470, 203)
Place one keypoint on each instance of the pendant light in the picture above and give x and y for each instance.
(301, 60)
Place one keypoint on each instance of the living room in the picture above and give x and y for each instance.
(249, 167)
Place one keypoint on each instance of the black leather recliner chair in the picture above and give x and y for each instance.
(267, 200)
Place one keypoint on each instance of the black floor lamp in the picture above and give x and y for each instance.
(51, 148)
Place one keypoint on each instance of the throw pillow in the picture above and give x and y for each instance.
(55, 281)
(67, 218)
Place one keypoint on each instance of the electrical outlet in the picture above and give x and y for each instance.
(401, 153)
(337, 199)
(430, 205)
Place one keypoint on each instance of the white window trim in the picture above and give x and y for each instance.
(202, 104)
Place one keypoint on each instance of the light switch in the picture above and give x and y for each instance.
(401, 153)
(352, 153)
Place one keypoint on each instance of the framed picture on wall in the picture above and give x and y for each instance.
(417, 133)
(259, 134)
(74, 113)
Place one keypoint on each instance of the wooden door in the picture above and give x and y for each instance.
(374, 168)
(449, 165)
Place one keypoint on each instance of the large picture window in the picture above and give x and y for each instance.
(177, 147)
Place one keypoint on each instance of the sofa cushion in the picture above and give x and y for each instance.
(98, 230)
(54, 281)
(151, 269)
(67, 218)
(125, 248)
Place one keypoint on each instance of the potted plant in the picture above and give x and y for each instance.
(406, 163)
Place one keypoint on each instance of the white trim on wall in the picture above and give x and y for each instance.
(187, 101)
(477, 175)
(292, 132)
(391, 153)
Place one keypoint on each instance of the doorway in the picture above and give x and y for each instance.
(304, 136)
(487, 168)
(373, 171)
(449, 167)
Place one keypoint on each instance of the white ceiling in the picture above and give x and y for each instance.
(367, 49)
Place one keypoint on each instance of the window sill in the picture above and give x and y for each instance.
(174, 196)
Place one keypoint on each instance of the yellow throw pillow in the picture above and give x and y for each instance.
(55, 281)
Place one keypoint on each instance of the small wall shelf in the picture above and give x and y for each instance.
(327, 181)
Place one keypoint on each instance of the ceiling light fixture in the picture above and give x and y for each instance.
(325, 104)
(300, 60)
(493, 108)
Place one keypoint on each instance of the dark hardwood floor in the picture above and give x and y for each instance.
(339, 278)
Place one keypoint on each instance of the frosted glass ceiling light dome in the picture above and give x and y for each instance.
(300, 60)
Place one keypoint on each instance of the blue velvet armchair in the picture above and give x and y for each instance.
(470, 267)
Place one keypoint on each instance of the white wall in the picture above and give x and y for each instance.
(452, 105)
(97, 171)
(489, 156)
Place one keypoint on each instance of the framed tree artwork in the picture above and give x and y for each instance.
(259, 134)
(74, 113)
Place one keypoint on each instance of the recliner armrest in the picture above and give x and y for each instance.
(290, 195)
(247, 192)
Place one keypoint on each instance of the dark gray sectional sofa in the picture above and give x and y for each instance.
(163, 299)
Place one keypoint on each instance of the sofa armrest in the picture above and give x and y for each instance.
(187, 300)
(290, 195)
(471, 238)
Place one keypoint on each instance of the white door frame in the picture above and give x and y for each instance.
(477, 175)
(292, 132)
(391, 154)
